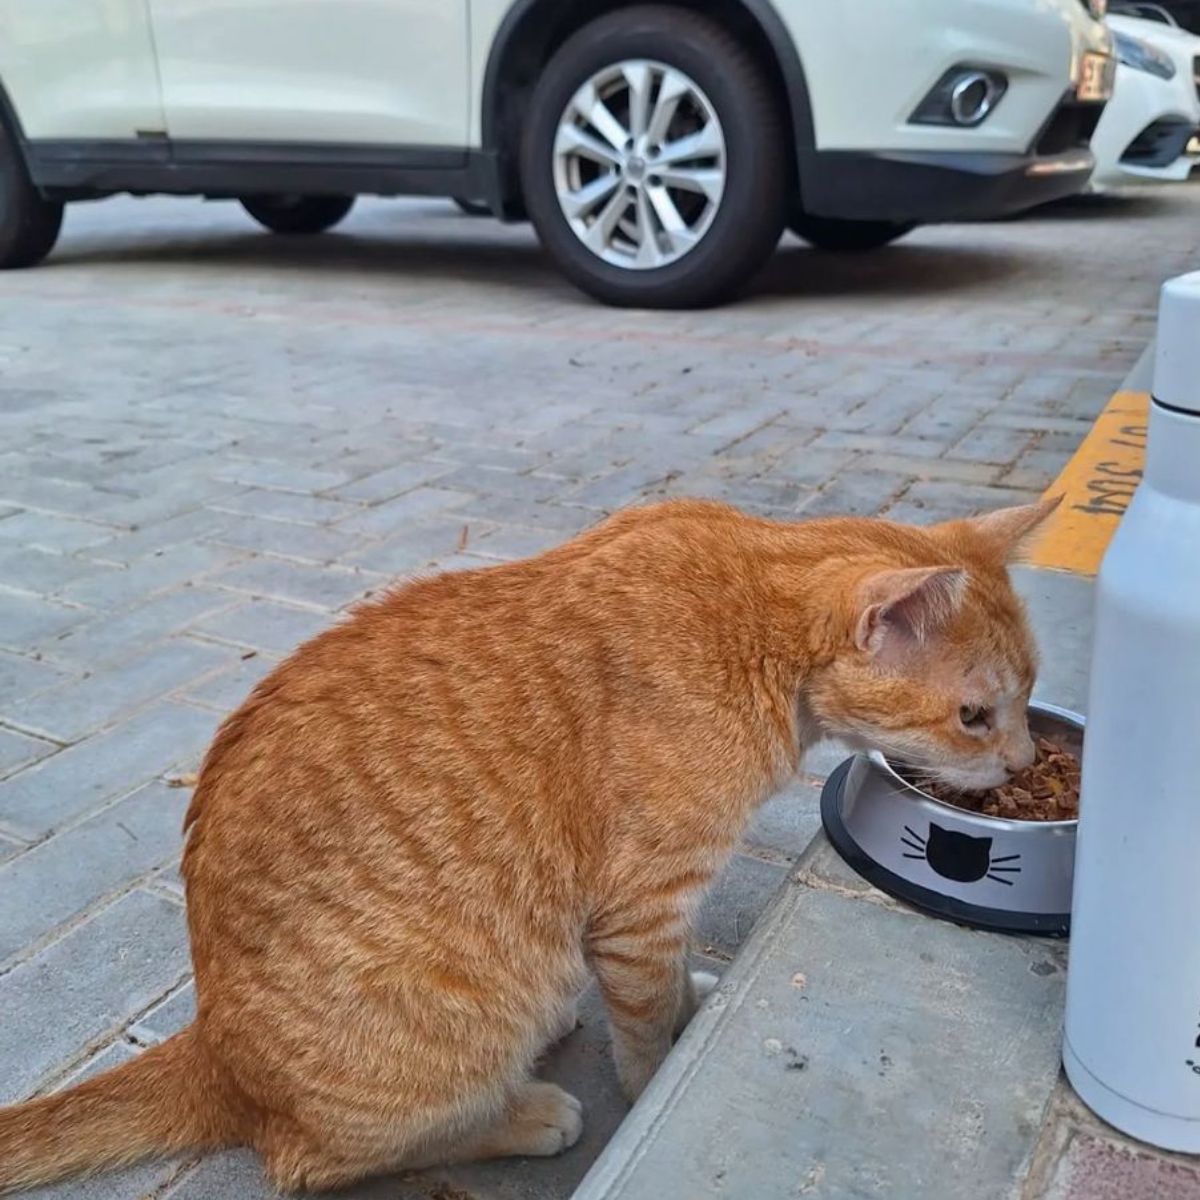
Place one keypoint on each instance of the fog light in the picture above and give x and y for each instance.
(964, 96)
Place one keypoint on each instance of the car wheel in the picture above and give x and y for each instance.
(655, 161)
(29, 223)
(473, 208)
(832, 233)
(298, 214)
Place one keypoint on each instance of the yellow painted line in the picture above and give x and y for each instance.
(1096, 486)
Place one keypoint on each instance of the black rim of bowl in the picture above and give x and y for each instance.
(934, 903)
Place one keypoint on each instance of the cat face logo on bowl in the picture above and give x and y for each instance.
(958, 856)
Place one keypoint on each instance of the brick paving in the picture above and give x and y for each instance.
(213, 441)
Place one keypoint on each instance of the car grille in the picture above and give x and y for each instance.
(1071, 126)
(1159, 144)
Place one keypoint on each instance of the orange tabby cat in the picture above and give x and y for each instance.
(417, 837)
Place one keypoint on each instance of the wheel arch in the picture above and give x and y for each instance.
(533, 29)
(9, 121)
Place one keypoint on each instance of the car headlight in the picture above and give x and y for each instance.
(1141, 56)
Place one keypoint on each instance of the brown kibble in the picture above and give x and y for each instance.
(1046, 791)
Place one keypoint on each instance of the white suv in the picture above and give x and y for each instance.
(659, 149)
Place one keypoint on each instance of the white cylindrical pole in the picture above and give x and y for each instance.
(1132, 1047)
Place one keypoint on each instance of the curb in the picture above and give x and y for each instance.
(1099, 480)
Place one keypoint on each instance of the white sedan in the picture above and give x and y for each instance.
(1144, 132)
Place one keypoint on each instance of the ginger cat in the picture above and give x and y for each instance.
(414, 841)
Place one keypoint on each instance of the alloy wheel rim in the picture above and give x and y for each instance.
(640, 164)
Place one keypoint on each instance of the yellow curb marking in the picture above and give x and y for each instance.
(1096, 486)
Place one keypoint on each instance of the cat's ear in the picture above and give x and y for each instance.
(904, 607)
(1007, 529)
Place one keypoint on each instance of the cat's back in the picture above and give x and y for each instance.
(466, 681)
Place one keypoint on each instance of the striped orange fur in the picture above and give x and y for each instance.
(418, 837)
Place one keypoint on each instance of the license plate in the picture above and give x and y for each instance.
(1096, 75)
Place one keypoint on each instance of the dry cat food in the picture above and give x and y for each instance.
(1046, 791)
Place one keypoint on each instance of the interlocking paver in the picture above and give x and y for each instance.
(304, 543)
(428, 393)
(992, 444)
(1096, 1168)
(264, 625)
(114, 637)
(167, 1017)
(19, 750)
(114, 589)
(24, 568)
(284, 506)
(62, 1000)
(186, 527)
(77, 780)
(391, 482)
(224, 691)
(64, 876)
(69, 711)
(284, 477)
(22, 676)
(859, 495)
(394, 515)
(507, 542)
(25, 619)
(49, 496)
(328, 588)
(961, 499)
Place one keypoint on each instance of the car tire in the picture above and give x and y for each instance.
(833, 233)
(673, 246)
(298, 214)
(29, 223)
(472, 208)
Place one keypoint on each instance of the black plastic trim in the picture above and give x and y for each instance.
(1160, 143)
(9, 120)
(232, 168)
(934, 903)
(1175, 408)
(788, 58)
(936, 186)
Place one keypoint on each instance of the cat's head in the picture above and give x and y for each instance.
(937, 661)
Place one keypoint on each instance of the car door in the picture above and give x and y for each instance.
(339, 72)
(80, 70)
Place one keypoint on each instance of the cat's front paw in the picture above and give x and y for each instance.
(552, 1120)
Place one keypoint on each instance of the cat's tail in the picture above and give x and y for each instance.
(170, 1098)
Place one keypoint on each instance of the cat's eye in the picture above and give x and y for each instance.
(975, 717)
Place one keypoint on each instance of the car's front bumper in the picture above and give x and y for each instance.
(926, 187)
(1126, 150)
(868, 63)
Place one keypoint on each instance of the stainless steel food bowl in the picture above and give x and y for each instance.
(988, 872)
